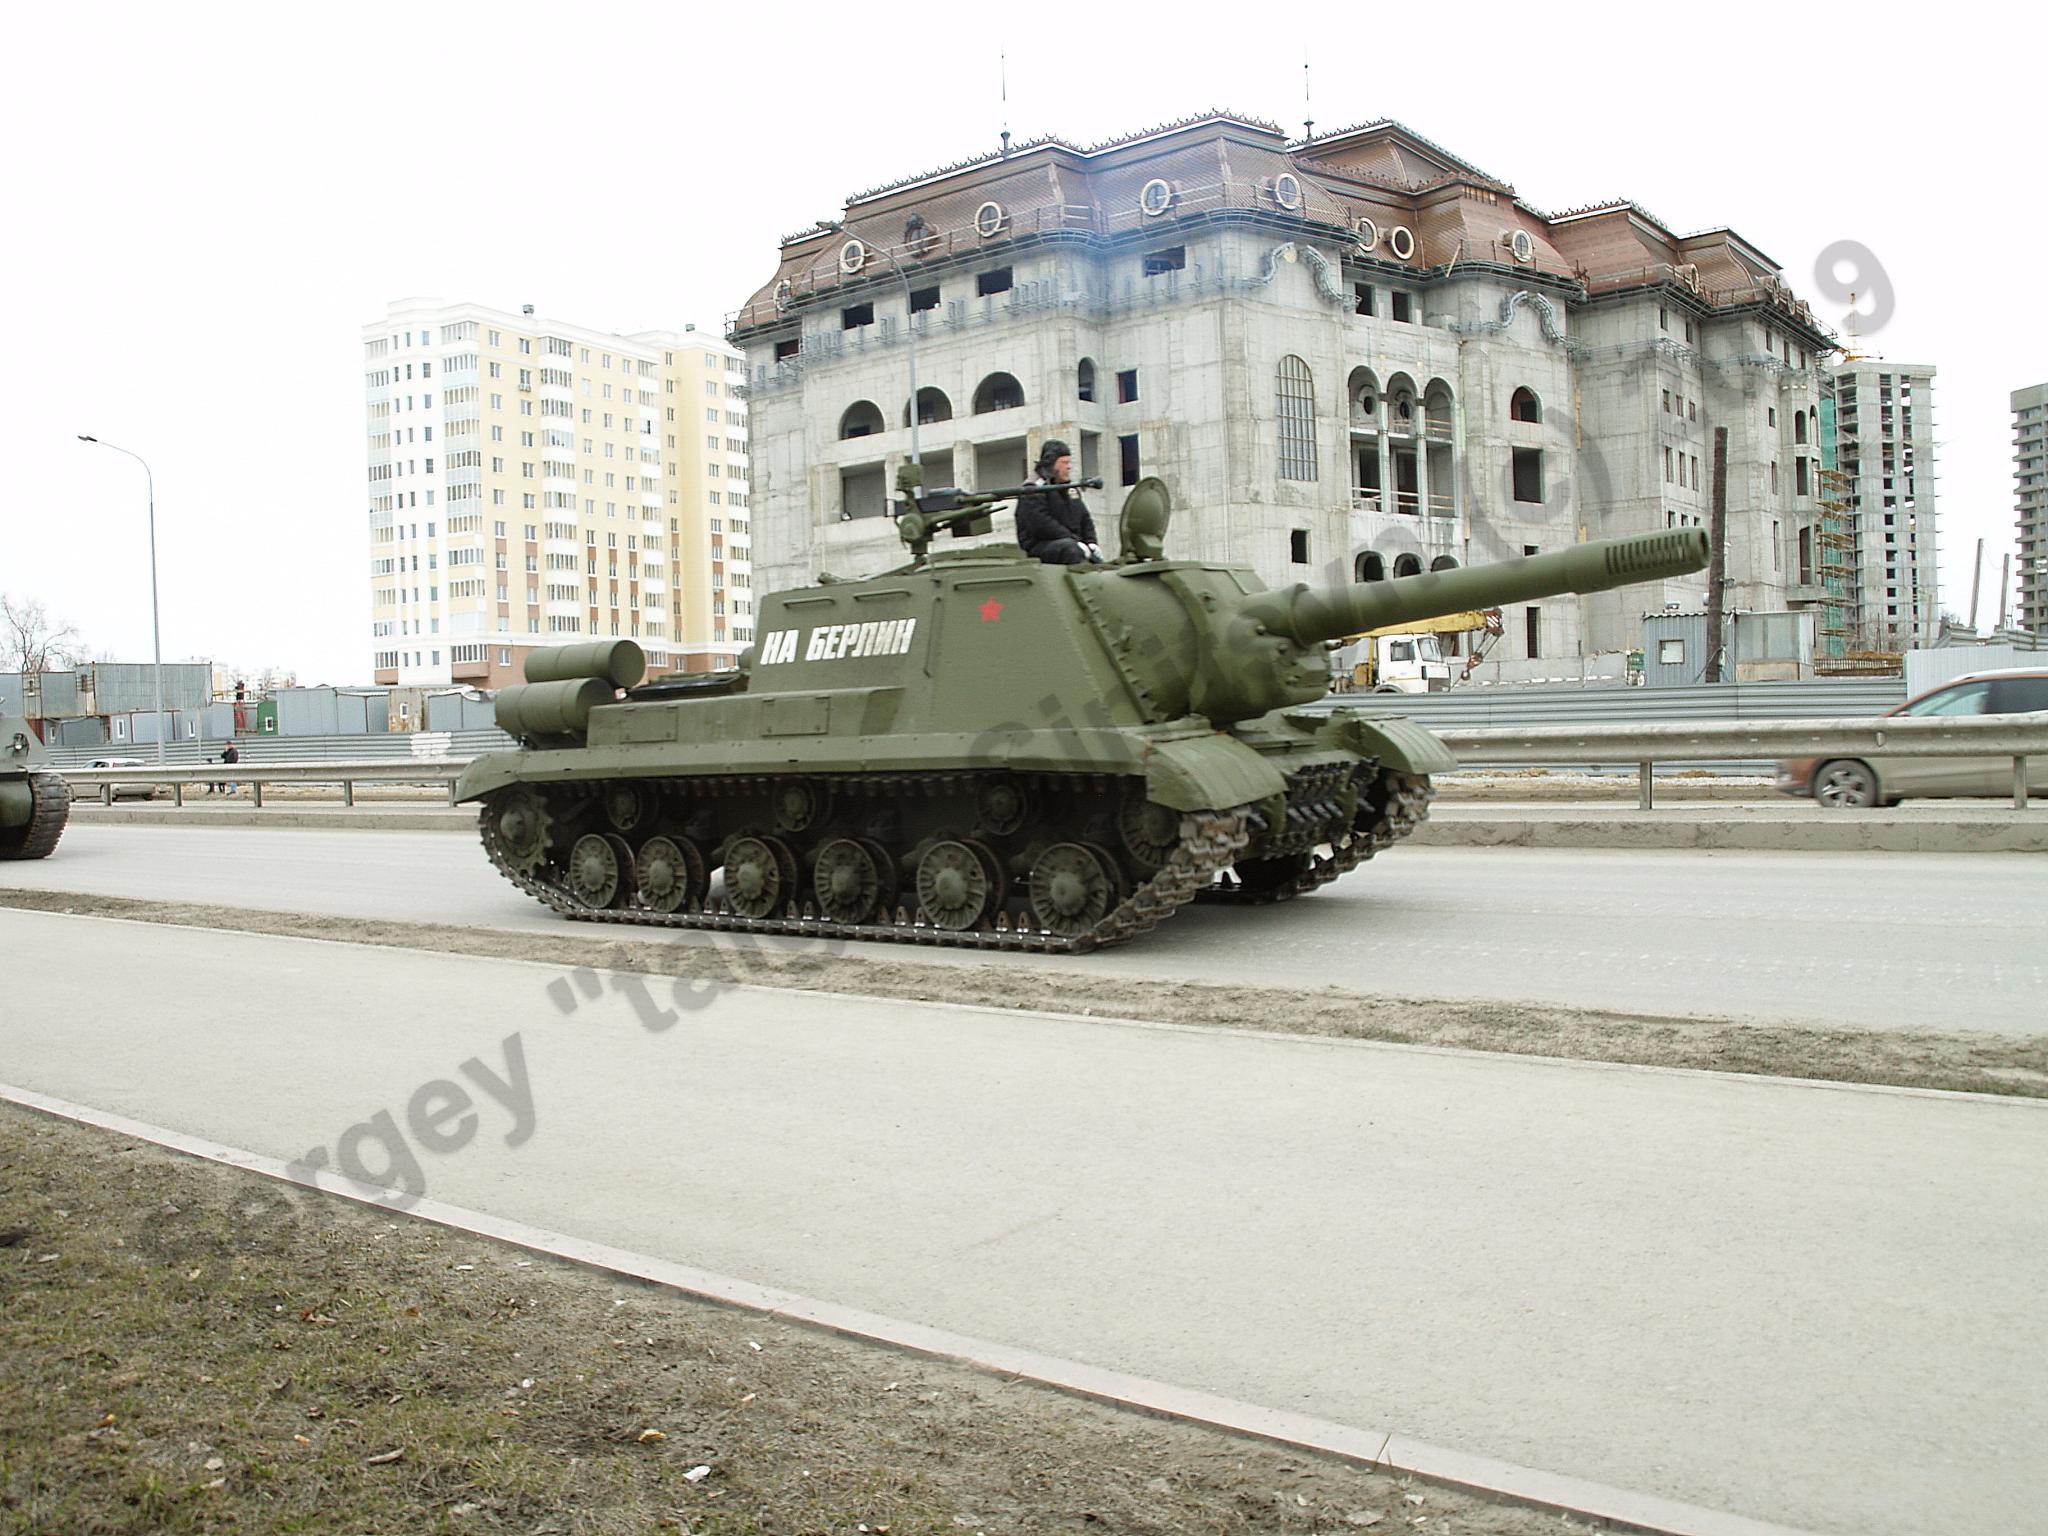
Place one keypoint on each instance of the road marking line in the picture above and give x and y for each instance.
(1370, 1448)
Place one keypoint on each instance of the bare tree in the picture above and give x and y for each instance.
(32, 641)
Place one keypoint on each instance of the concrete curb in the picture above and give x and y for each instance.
(1370, 1448)
(1727, 828)
(426, 818)
(1757, 828)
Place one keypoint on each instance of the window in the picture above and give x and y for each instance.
(1295, 398)
(922, 299)
(1692, 410)
(1362, 299)
(1173, 259)
(1670, 653)
(996, 281)
(1404, 308)
(997, 392)
(1127, 386)
(852, 317)
(785, 350)
(1663, 318)
(1532, 630)
(1297, 546)
(1667, 402)
(1528, 475)
(1667, 466)
(1963, 699)
(1127, 457)
(1084, 379)
(1524, 406)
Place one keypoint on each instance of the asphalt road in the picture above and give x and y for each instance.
(1813, 1305)
(1874, 940)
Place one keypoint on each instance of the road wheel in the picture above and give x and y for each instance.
(952, 885)
(1845, 785)
(596, 873)
(1071, 888)
(847, 881)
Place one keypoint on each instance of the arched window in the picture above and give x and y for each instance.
(1408, 565)
(1799, 426)
(1295, 398)
(1084, 381)
(997, 392)
(863, 418)
(1524, 406)
(1369, 566)
(932, 405)
(1443, 563)
(1363, 390)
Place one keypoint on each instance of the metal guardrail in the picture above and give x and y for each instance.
(2015, 736)
(2018, 737)
(442, 770)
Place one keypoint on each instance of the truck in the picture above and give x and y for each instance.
(1409, 658)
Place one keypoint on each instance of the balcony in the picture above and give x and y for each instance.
(1437, 425)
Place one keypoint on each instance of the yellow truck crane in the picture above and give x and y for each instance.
(1408, 658)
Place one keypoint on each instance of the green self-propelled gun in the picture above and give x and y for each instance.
(980, 749)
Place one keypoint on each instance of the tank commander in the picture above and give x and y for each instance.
(1053, 524)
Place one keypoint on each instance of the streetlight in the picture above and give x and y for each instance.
(155, 628)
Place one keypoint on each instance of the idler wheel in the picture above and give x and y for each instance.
(625, 805)
(759, 876)
(597, 874)
(1071, 888)
(952, 886)
(1003, 805)
(522, 823)
(670, 874)
(847, 881)
(1149, 831)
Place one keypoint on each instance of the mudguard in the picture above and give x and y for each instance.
(1212, 771)
(1396, 741)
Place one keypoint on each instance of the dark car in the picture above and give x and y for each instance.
(1840, 782)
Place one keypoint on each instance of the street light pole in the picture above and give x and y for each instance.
(155, 626)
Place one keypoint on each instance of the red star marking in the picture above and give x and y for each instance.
(991, 611)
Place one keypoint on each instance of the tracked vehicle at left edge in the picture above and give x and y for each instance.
(979, 749)
(35, 802)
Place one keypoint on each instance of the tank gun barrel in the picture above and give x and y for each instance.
(1307, 615)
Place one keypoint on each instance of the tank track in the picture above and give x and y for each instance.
(1208, 843)
(1391, 806)
(52, 797)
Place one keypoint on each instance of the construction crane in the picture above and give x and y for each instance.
(1407, 658)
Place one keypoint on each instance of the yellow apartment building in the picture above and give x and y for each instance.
(534, 482)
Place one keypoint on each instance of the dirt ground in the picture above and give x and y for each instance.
(1968, 1062)
(188, 1348)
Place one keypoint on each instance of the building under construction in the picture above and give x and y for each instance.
(1351, 356)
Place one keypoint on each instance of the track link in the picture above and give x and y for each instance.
(1391, 806)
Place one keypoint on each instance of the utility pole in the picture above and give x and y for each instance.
(1976, 581)
(1717, 563)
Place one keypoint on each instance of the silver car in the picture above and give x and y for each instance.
(137, 791)
(1854, 782)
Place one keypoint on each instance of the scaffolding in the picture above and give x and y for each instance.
(1834, 537)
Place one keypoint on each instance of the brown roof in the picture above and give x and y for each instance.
(1224, 162)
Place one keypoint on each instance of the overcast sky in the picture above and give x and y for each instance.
(204, 204)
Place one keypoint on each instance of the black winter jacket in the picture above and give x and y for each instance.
(1051, 513)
